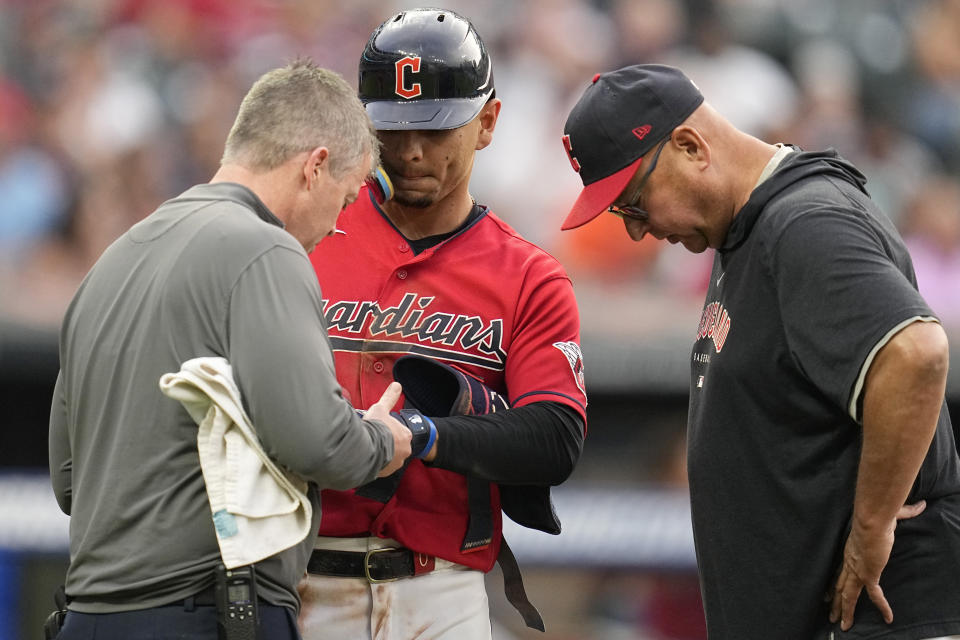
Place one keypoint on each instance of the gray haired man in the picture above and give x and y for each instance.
(220, 271)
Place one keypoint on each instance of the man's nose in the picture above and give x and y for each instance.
(635, 229)
(407, 144)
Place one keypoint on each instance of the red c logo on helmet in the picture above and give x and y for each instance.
(413, 63)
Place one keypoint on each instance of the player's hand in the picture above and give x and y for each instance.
(380, 410)
(864, 557)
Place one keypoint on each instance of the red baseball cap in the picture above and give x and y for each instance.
(619, 118)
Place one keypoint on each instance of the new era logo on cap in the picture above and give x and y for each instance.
(620, 117)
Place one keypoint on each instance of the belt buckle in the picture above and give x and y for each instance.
(366, 566)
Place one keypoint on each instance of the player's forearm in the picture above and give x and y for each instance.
(903, 395)
(537, 444)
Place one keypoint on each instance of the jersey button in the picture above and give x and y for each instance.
(402, 274)
(378, 366)
(404, 248)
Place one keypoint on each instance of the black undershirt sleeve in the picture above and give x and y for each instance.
(537, 444)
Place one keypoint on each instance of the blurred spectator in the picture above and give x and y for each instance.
(32, 183)
(931, 229)
(829, 112)
(331, 33)
(748, 86)
(646, 29)
(934, 103)
(832, 114)
(602, 254)
(526, 175)
(894, 162)
(126, 100)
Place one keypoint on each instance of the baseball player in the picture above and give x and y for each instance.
(432, 273)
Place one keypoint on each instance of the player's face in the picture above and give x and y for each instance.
(667, 206)
(428, 166)
(322, 203)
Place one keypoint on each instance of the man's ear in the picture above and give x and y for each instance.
(692, 144)
(488, 121)
(318, 161)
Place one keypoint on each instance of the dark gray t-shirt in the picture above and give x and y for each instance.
(811, 278)
(210, 273)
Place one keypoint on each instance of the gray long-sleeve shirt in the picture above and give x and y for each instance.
(210, 273)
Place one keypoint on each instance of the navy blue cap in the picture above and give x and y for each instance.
(620, 117)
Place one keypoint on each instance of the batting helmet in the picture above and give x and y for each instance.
(425, 69)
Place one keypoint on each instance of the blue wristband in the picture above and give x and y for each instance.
(423, 429)
(431, 439)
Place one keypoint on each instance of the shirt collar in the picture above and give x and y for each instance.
(234, 192)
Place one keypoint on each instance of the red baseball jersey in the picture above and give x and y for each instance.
(486, 301)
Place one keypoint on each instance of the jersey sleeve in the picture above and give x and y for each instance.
(841, 295)
(281, 355)
(545, 361)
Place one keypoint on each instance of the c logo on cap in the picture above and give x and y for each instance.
(569, 149)
(413, 63)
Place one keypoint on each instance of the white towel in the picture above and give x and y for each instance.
(258, 509)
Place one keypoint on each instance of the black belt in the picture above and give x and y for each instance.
(388, 564)
(376, 565)
(206, 598)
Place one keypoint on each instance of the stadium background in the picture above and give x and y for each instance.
(108, 107)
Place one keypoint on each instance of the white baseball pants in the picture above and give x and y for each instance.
(449, 603)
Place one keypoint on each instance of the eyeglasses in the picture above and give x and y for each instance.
(632, 209)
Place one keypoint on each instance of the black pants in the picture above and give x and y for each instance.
(172, 622)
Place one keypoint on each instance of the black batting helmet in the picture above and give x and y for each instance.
(425, 69)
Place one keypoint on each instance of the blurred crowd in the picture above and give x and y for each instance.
(108, 107)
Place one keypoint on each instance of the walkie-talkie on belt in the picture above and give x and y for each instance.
(236, 594)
